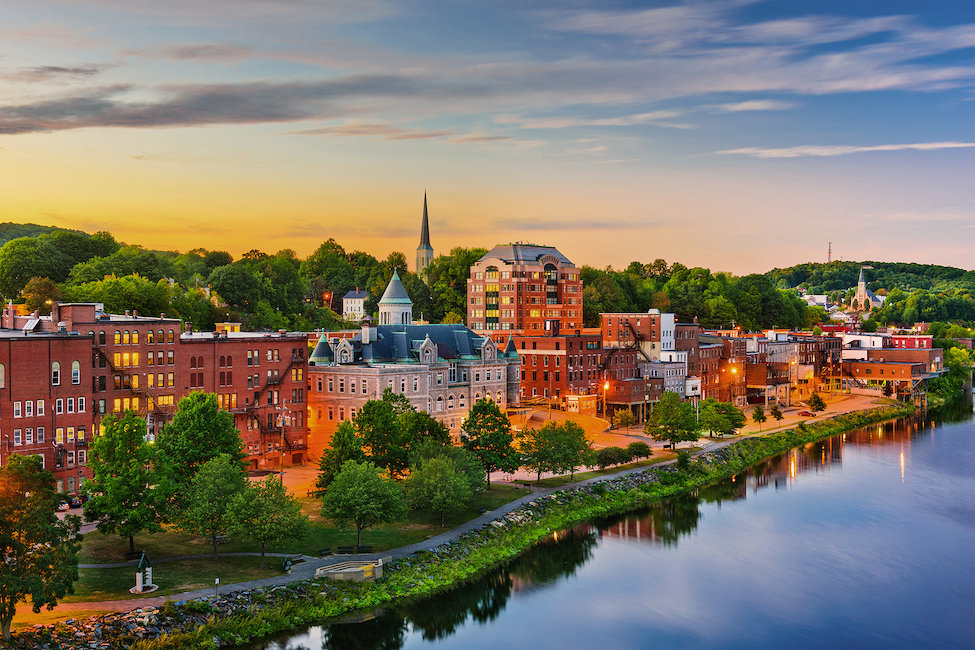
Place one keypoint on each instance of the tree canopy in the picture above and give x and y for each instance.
(672, 420)
(487, 433)
(362, 497)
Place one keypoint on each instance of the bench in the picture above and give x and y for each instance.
(363, 549)
(345, 550)
(322, 552)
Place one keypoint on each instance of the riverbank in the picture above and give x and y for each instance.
(237, 618)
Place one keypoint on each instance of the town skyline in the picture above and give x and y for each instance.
(740, 136)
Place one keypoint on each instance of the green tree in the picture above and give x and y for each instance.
(608, 456)
(758, 416)
(214, 488)
(39, 293)
(537, 451)
(816, 403)
(123, 493)
(362, 497)
(776, 413)
(346, 445)
(390, 428)
(465, 461)
(639, 449)
(199, 432)
(40, 552)
(487, 433)
(624, 418)
(572, 448)
(267, 513)
(671, 420)
(438, 486)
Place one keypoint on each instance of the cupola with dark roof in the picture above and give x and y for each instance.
(395, 307)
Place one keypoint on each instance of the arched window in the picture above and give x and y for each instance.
(118, 337)
(170, 337)
(125, 337)
(499, 397)
(230, 361)
(149, 337)
(101, 337)
(160, 340)
(223, 361)
(440, 402)
(462, 401)
(135, 337)
(477, 397)
(75, 372)
(450, 402)
(192, 362)
(55, 374)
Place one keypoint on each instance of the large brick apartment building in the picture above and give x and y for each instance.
(110, 363)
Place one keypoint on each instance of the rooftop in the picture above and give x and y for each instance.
(518, 252)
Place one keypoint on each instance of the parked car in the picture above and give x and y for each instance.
(807, 414)
(75, 501)
(63, 505)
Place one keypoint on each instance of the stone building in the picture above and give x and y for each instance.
(440, 369)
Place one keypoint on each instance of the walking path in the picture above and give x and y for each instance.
(306, 570)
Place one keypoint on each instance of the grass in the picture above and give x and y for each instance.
(418, 526)
(172, 577)
(559, 481)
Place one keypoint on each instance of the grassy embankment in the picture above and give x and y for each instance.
(429, 573)
(199, 572)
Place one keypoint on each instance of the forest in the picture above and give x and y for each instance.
(39, 264)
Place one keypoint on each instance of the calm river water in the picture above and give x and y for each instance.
(861, 541)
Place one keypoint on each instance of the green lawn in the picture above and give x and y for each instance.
(98, 548)
(559, 481)
(172, 577)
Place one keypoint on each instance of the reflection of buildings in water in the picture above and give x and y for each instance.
(663, 523)
(556, 557)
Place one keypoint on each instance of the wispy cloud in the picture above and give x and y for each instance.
(839, 150)
(383, 131)
(653, 117)
(755, 105)
(51, 73)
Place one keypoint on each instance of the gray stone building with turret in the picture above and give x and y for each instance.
(440, 369)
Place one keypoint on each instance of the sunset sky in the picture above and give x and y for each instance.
(733, 134)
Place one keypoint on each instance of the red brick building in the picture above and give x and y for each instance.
(45, 401)
(556, 366)
(259, 377)
(524, 288)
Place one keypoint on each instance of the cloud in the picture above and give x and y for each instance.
(565, 224)
(51, 73)
(196, 52)
(756, 105)
(653, 117)
(840, 150)
(383, 131)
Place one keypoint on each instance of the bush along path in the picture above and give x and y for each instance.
(242, 616)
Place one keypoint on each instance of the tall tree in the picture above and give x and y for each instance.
(38, 552)
(346, 445)
(267, 513)
(758, 416)
(200, 431)
(439, 486)
(465, 461)
(213, 489)
(391, 427)
(124, 500)
(776, 413)
(816, 403)
(361, 496)
(671, 420)
(487, 433)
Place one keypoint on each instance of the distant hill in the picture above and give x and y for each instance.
(9, 230)
(820, 278)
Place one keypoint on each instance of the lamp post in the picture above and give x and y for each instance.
(605, 389)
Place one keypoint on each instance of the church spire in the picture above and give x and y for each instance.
(425, 228)
(424, 252)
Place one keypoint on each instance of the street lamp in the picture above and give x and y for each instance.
(605, 388)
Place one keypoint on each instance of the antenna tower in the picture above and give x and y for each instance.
(829, 253)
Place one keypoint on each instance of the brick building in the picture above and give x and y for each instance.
(45, 401)
(526, 289)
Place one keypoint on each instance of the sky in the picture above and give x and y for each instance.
(739, 135)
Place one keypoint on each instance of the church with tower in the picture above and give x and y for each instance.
(865, 299)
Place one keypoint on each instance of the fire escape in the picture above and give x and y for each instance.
(255, 410)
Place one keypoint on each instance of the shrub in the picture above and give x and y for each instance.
(639, 450)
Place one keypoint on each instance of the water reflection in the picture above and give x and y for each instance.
(479, 604)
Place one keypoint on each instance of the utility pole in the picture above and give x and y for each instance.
(829, 253)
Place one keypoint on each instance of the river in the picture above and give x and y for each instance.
(865, 540)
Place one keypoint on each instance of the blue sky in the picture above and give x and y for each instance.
(735, 134)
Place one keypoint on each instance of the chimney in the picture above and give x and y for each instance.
(62, 327)
(162, 315)
(369, 333)
(128, 313)
(135, 314)
(189, 328)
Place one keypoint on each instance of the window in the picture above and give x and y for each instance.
(440, 403)
(70, 405)
(169, 379)
(118, 337)
(149, 337)
(29, 409)
(364, 387)
(17, 437)
(81, 401)
(17, 409)
(170, 337)
(40, 435)
(55, 374)
(101, 407)
(81, 457)
(150, 357)
(29, 436)
(3, 376)
(125, 337)
(135, 337)
(169, 357)
(40, 407)
(70, 434)
(101, 337)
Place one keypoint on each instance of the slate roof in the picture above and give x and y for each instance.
(395, 293)
(355, 294)
(524, 253)
(322, 352)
